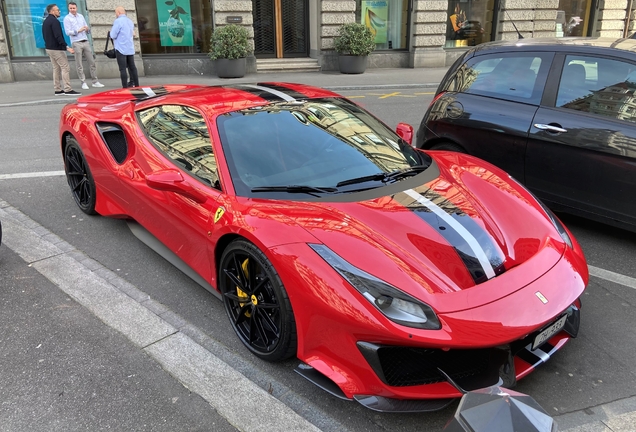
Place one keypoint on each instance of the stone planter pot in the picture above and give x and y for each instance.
(350, 64)
(230, 68)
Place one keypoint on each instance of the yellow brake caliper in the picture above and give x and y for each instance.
(242, 295)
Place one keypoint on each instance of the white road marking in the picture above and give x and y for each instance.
(31, 175)
(618, 278)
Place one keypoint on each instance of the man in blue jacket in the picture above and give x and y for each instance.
(122, 34)
(56, 49)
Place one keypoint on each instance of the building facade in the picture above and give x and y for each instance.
(172, 36)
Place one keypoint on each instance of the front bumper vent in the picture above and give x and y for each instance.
(408, 366)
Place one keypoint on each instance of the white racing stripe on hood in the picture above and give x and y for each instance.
(281, 95)
(149, 91)
(474, 245)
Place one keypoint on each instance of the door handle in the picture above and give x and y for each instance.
(550, 128)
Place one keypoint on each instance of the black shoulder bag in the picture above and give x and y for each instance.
(110, 53)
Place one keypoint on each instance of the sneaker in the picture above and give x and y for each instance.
(85, 86)
(59, 93)
(97, 84)
(72, 93)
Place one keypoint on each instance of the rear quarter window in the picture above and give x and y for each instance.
(513, 77)
(599, 86)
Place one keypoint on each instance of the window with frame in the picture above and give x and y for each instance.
(599, 86)
(174, 26)
(181, 133)
(469, 22)
(387, 20)
(24, 25)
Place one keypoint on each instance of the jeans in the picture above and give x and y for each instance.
(127, 61)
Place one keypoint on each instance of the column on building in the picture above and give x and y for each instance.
(334, 13)
(518, 15)
(611, 17)
(428, 33)
(237, 8)
(101, 15)
(6, 74)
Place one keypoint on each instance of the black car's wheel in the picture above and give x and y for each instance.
(449, 146)
(256, 302)
(79, 177)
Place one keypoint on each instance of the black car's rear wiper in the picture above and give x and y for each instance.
(311, 190)
(386, 177)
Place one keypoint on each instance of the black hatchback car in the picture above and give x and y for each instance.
(558, 114)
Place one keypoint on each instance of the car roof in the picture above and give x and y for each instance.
(578, 45)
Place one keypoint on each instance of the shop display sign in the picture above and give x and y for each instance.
(374, 15)
(37, 8)
(175, 23)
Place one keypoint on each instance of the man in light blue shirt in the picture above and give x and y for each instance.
(76, 28)
(122, 34)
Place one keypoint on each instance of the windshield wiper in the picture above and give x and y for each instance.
(386, 177)
(406, 172)
(311, 190)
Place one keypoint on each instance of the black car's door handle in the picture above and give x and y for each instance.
(550, 128)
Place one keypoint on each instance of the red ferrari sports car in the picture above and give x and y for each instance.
(398, 277)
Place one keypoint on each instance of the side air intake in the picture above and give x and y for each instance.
(115, 140)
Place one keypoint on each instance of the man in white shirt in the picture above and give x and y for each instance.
(76, 28)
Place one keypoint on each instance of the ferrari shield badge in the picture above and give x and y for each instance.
(538, 294)
(219, 213)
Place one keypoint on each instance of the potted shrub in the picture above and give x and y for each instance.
(353, 44)
(228, 48)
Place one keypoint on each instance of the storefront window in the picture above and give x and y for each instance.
(469, 22)
(572, 18)
(174, 26)
(387, 20)
(24, 25)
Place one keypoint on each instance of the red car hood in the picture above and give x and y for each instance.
(467, 238)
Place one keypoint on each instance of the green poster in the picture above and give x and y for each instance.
(175, 23)
(374, 16)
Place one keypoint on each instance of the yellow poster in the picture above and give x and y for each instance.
(374, 16)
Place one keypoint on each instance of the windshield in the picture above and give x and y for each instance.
(317, 143)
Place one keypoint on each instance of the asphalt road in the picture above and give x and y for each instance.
(591, 372)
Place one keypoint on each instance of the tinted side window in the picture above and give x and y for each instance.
(181, 134)
(598, 86)
(518, 77)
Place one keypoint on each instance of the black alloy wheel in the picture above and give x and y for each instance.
(79, 177)
(256, 302)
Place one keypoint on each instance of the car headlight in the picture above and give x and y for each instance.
(396, 305)
(555, 220)
(557, 223)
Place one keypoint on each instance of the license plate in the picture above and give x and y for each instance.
(549, 332)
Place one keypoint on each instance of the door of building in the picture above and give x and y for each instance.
(281, 28)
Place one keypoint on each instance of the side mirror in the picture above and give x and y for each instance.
(405, 131)
(172, 181)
